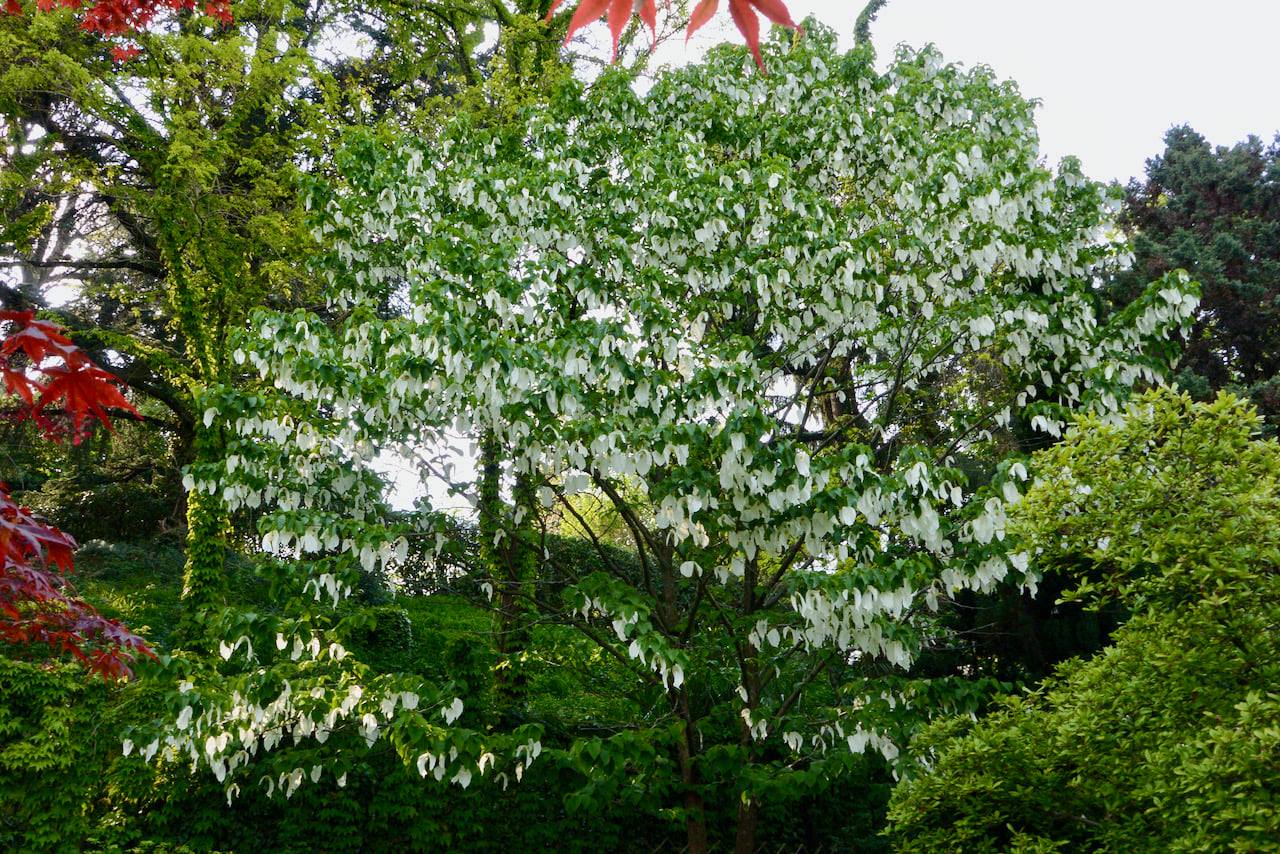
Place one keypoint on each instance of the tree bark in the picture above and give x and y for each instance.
(695, 822)
(513, 566)
(748, 815)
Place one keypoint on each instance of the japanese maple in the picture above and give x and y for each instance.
(59, 388)
(618, 12)
(123, 17)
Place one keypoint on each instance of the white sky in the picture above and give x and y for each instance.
(1113, 75)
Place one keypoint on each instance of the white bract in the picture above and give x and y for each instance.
(777, 307)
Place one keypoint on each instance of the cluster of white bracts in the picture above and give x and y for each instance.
(580, 298)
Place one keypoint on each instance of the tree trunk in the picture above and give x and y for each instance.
(745, 840)
(204, 577)
(516, 607)
(748, 807)
(695, 822)
(513, 566)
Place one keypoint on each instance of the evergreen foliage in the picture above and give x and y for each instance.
(1215, 212)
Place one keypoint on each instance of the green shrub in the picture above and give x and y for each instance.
(1169, 740)
(49, 738)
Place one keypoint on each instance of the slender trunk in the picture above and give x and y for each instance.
(512, 562)
(695, 821)
(489, 513)
(695, 824)
(748, 806)
(521, 567)
(745, 840)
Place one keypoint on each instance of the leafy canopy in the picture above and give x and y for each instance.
(624, 293)
(1168, 740)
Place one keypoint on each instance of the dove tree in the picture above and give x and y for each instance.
(717, 305)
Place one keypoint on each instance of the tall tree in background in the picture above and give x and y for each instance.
(164, 189)
(1215, 212)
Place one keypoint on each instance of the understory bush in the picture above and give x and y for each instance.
(65, 784)
(1169, 740)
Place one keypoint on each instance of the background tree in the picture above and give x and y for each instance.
(164, 191)
(1215, 212)
(625, 294)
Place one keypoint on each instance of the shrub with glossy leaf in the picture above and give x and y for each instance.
(1170, 739)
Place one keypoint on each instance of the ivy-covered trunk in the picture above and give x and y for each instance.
(198, 299)
(204, 580)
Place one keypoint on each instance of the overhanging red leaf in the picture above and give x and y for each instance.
(648, 12)
(749, 25)
(37, 605)
(776, 11)
(619, 14)
(588, 12)
(701, 14)
(83, 391)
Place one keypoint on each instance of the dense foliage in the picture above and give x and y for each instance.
(1215, 212)
(1169, 739)
(164, 191)
(811, 504)
(64, 784)
(747, 312)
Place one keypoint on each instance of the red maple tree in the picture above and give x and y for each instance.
(121, 17)
(63, 392)
(618, 12)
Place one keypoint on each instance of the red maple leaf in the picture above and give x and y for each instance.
(220, 9)
(616, 13)
(39, 339)
(744, 16)
(72, 384)
(124, 53)
(37, 605)
(84, 391)
(119, 17)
